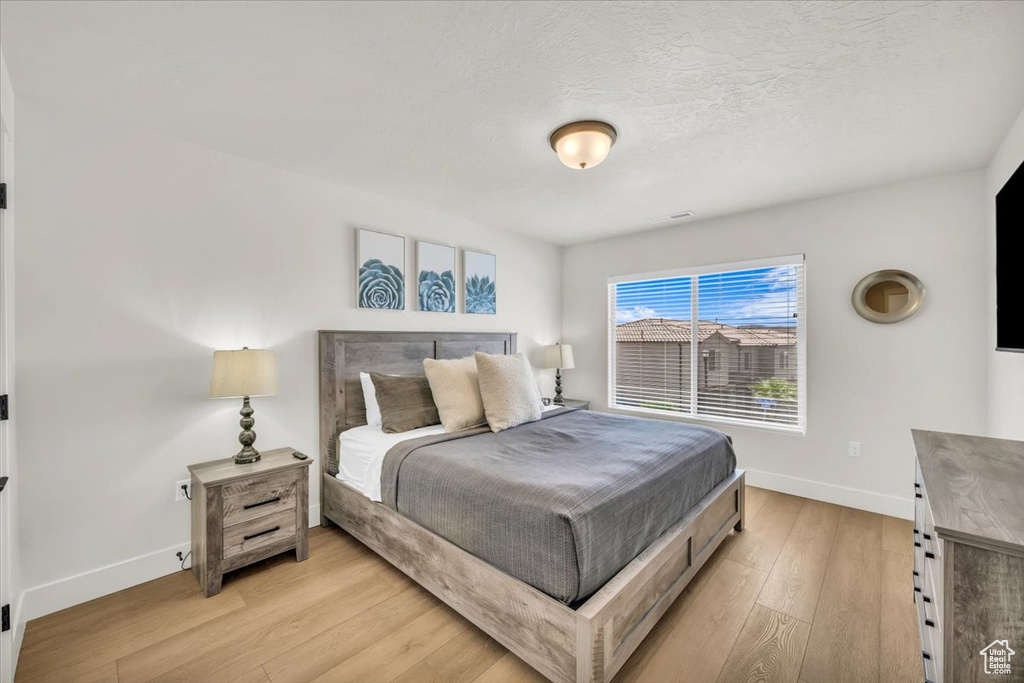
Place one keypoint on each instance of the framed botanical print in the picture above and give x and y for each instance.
(380, 270)
(480, 278)
(435, 280)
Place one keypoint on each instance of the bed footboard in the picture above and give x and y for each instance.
(616, 619)
(586, 645)
(533, 625)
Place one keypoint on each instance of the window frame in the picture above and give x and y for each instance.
(798, 429)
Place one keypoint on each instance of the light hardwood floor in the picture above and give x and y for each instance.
(810, 592)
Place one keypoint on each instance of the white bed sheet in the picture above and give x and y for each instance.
(361, 452)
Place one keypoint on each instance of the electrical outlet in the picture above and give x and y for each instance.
(179, 493)
(855, 449)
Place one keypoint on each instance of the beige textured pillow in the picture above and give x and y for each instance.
(456, 392)
(508, 389)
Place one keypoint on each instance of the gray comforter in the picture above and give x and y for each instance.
(562, 504)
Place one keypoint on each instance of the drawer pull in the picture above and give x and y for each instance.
(916, 531)
(261, 533)
(926, 598)
(916, 589)
(929, 555)
(925, 655)
(915, 573)
(265, 502)
(929, 622)
(917, 544)
(918, 495)
(927, 537)
(916, 485)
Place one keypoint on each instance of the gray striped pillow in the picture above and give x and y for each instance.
(405, 403)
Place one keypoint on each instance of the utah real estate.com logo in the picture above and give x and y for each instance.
(997, 657)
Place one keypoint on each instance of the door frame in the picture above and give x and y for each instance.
(10, 641)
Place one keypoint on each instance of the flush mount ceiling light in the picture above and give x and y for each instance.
(583, 144)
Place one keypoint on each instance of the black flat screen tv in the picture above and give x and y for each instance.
(1009, 264)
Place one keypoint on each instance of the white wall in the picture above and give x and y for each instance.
(138, 255)
(866, 382)
(1005, 369)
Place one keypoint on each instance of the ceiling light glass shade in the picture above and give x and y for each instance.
(583, 144)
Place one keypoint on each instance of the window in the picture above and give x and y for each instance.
(747, 365)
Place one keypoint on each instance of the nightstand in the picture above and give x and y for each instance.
(575, 403)
(245, 513)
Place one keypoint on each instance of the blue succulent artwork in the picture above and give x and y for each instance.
(381, 286)
(381, 279)
(437, 292)
(481, 284)
(480, 295)
(435, 286)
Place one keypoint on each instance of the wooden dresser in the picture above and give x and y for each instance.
(245, 513)
(969, 555)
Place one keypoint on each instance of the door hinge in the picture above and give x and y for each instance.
(3, 195)
(5, 618)
(3, 407)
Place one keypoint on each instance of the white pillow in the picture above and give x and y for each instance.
(456, 392)
(370, 398)
(509, 390)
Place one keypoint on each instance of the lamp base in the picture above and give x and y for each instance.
(247, 438)
(247, 455)
(558, 387)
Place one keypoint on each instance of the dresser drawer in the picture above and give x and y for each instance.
(259, 533)
(254, 498)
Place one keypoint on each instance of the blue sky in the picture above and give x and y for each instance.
(762, 296)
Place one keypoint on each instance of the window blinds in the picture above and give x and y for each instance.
(723, 343)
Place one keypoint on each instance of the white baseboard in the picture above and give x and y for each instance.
(881, 503)
(74, 590)
(57, 595)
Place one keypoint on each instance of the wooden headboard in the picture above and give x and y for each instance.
(343, 355)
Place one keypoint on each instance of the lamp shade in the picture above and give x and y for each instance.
(248, 372)
(558, 356)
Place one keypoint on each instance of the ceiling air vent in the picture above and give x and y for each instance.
(670, 218)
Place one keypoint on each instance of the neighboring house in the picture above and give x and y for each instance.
(653, 360)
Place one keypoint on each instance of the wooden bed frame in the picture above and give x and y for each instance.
(586, 644)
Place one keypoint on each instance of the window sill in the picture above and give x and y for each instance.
(794, 430)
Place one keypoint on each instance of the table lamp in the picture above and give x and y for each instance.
(241, 374)
(559, 357)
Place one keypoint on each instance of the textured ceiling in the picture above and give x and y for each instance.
(720, 107)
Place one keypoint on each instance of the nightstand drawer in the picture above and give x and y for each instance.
(259, 533)
(255, 498)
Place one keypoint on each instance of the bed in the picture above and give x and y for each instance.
(569, 594)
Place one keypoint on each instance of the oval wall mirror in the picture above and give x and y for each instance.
(888, 296)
